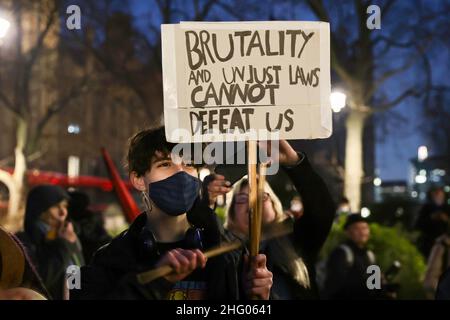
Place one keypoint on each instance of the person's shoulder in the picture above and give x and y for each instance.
(115, 253)
(443, 240)
(340, 251)
(443, 289)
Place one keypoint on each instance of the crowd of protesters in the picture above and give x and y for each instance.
(180, 224)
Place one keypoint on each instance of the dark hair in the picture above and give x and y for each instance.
(143, 146)
(352, 219)
(433, 190)
(344, 200)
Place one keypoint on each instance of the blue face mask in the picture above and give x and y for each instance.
(175, 195)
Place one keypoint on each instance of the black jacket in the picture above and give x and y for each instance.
(112, 272)
(52, 257)
(347, 277)
(430, 229)
(309, 234)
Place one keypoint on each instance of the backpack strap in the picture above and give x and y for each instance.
(371, 256)
(348, 254)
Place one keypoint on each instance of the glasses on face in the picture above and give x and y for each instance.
(242, 197)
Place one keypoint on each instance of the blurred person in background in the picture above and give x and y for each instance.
(443, 289)
(343, 208)
(291, 258)
(18, 277)
(346, 270)
(89, 226)
(438, 263)
(432, 220)
(50, 238)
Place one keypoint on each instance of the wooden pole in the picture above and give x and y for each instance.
(274, 231)
(252, 198)
(148, 276)
(257, 217)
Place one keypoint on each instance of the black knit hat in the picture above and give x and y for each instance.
(353, 218)
(40, 199)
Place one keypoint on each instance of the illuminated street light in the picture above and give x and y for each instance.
(4, 27)
(337, 100)
(422, 153)
(365, 212)
(377, 182)
(420, 179)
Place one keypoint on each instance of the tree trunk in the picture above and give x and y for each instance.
(354, 158)
(13, 221)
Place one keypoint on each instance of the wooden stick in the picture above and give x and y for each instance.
(257, 217)
(274, 231)
(252, 198)
(148, 276)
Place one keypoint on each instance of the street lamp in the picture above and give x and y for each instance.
(337, 100)
(422, 153)
(4, 27)
(377, 182)
(365, 212)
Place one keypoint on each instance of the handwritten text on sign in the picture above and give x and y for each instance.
(232, 80)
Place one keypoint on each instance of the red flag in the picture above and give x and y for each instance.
(126, 200)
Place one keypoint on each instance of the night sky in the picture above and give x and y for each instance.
(397, 144)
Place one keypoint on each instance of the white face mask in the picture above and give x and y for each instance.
(296, 206)
(344, 209)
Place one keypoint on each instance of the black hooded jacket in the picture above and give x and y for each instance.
(112, 272)
(52, 257)
(309, 234)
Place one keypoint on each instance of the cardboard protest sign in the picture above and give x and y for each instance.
(226, 81)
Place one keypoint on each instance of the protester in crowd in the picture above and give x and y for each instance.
(438, 263)
(163, 235)
(432, 220)
(18, 277)
(88, 225)
(443, 289)
(343, 207)
(346, 271)
(49, 238)
(291, 258)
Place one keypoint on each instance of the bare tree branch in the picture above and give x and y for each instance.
(57, 106)
(230, 10)
(205, 10)
(389, 74)
(8, 105)
(319, 10)
(35, 51)
(410, 92)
